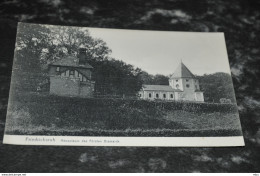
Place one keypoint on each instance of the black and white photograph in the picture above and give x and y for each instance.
(120, 87)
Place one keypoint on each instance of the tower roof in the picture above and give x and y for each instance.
(182, 72)
(70, 61)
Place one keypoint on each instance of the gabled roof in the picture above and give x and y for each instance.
(71, 61)
(160, 88)
(182, 72)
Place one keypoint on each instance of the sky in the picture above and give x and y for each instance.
(158, 52)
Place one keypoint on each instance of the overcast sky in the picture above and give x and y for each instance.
(161, 52)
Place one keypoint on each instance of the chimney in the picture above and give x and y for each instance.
(82, 56)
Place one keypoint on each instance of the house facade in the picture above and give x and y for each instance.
(71, 76)
(183, 86)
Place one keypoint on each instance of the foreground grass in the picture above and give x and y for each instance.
(49, 115)
(200, 121)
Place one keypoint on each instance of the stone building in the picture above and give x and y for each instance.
(183, 86)
(71, 76)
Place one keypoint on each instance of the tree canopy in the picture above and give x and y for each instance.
(217, 86)
(157, 79)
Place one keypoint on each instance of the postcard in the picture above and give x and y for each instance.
(80, 86)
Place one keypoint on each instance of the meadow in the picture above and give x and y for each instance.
(43, 114)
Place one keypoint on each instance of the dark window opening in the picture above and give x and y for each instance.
(157, 95)
(177, 80)
(150, 95)
(187, 80)
(171, 95)
(187, 85)
(71, 72)
(164, 95)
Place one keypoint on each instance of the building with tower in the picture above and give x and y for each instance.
(183, 86)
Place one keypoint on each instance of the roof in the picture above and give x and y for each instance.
(71, 61)
(182, 72)
(160, 88)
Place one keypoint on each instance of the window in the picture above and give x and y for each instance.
(150, 95)
(57, 69)
(164, 95)
(157, 95)
(71, 72)
(67, 73)
(187, 80)
(171, 95)
(187, 85)
(176, 80)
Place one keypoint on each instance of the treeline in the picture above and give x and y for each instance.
(217, 86)
(157, 79)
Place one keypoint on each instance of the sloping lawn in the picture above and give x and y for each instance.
(52, 115)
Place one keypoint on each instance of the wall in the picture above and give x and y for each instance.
(64, 86)
(86, 89)
(191, 84)
(84, 71)
(71, 87)
(175, 81)
(182, 84)
(199, 96)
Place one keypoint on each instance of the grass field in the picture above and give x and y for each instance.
(39, 114)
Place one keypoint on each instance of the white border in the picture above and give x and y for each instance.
(125, 141)
(128, 174)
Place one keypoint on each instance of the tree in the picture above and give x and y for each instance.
(146, 78)
(217, 86)
(114, 77)
(30, 41)
(67, 40)
(158, 79)
(161, 80)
